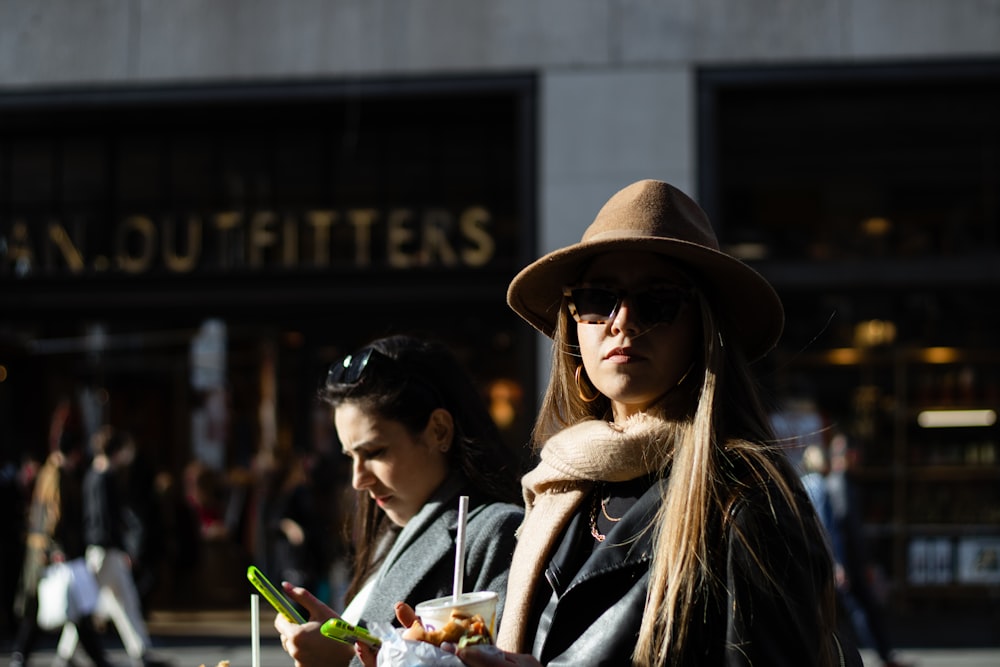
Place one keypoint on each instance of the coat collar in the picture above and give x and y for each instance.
(442, 501)
(426, 538)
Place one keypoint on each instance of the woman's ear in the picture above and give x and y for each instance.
(440, 429)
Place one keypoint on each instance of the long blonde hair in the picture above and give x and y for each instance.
(726, 422)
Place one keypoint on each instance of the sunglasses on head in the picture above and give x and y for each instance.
(350, 369)
(353, 368)
(652, 305)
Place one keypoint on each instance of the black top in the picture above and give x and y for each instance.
(577, 542)
(102, 516)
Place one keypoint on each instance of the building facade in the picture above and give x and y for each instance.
(202, 204)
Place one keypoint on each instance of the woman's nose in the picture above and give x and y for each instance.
(361, 477)
(624, 319)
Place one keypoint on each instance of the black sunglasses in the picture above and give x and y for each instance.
(653, 305)
(353, 368)
(350, 369)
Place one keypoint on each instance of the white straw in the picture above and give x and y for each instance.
(463, 510)
(255, 629)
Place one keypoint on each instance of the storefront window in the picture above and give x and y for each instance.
(870, 197)
(185, 264)
(852, 164)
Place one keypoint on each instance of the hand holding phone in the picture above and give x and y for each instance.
(342, 631)
(272, 594)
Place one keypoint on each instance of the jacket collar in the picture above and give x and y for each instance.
(627, 544)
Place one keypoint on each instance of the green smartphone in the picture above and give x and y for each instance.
(342, 631)
(273, 595)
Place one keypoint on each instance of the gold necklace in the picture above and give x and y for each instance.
(598, 535)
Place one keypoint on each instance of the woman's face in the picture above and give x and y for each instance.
(635, 363)
(398, 470)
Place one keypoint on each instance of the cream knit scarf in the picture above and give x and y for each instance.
(571, 462)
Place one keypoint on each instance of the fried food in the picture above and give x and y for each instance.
(461, 630)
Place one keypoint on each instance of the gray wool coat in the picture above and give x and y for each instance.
(421, 562)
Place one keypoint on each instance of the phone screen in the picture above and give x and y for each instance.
(342, 631)
(272, 594)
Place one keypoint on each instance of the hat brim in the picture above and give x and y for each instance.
(745, 300)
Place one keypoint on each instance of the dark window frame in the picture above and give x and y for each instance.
(801, 274)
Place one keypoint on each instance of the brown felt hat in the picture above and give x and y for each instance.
(653, 216)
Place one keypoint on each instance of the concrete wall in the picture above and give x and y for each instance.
(51, 42)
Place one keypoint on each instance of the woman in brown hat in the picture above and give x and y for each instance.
(664, 525)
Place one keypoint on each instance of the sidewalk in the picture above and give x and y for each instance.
(227, 623)
(207, 637)
(209, 651)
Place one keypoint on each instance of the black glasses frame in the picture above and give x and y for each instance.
(572, 294)
(350, 370)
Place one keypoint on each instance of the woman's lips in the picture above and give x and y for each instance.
(621, 355)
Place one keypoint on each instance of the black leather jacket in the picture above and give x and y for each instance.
(592, 616)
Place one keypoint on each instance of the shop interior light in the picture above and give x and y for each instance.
(956, 418)
(876, 226)
(843, 356)
(940, 355)
(505, 397)
(873, 333)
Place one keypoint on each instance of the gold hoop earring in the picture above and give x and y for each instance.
(579, 387)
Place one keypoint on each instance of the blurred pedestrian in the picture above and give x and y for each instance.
(203, 492)
(855, 572)
(287, 515)
(104, 532)
(333, 503)
(144, 538)
(54, 535)
(816, 468)
(181, 554)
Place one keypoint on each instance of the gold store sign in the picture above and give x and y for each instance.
(396, 238)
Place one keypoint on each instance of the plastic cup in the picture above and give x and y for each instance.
(436, 613)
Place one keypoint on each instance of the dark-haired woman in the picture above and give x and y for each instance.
(419, 437)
